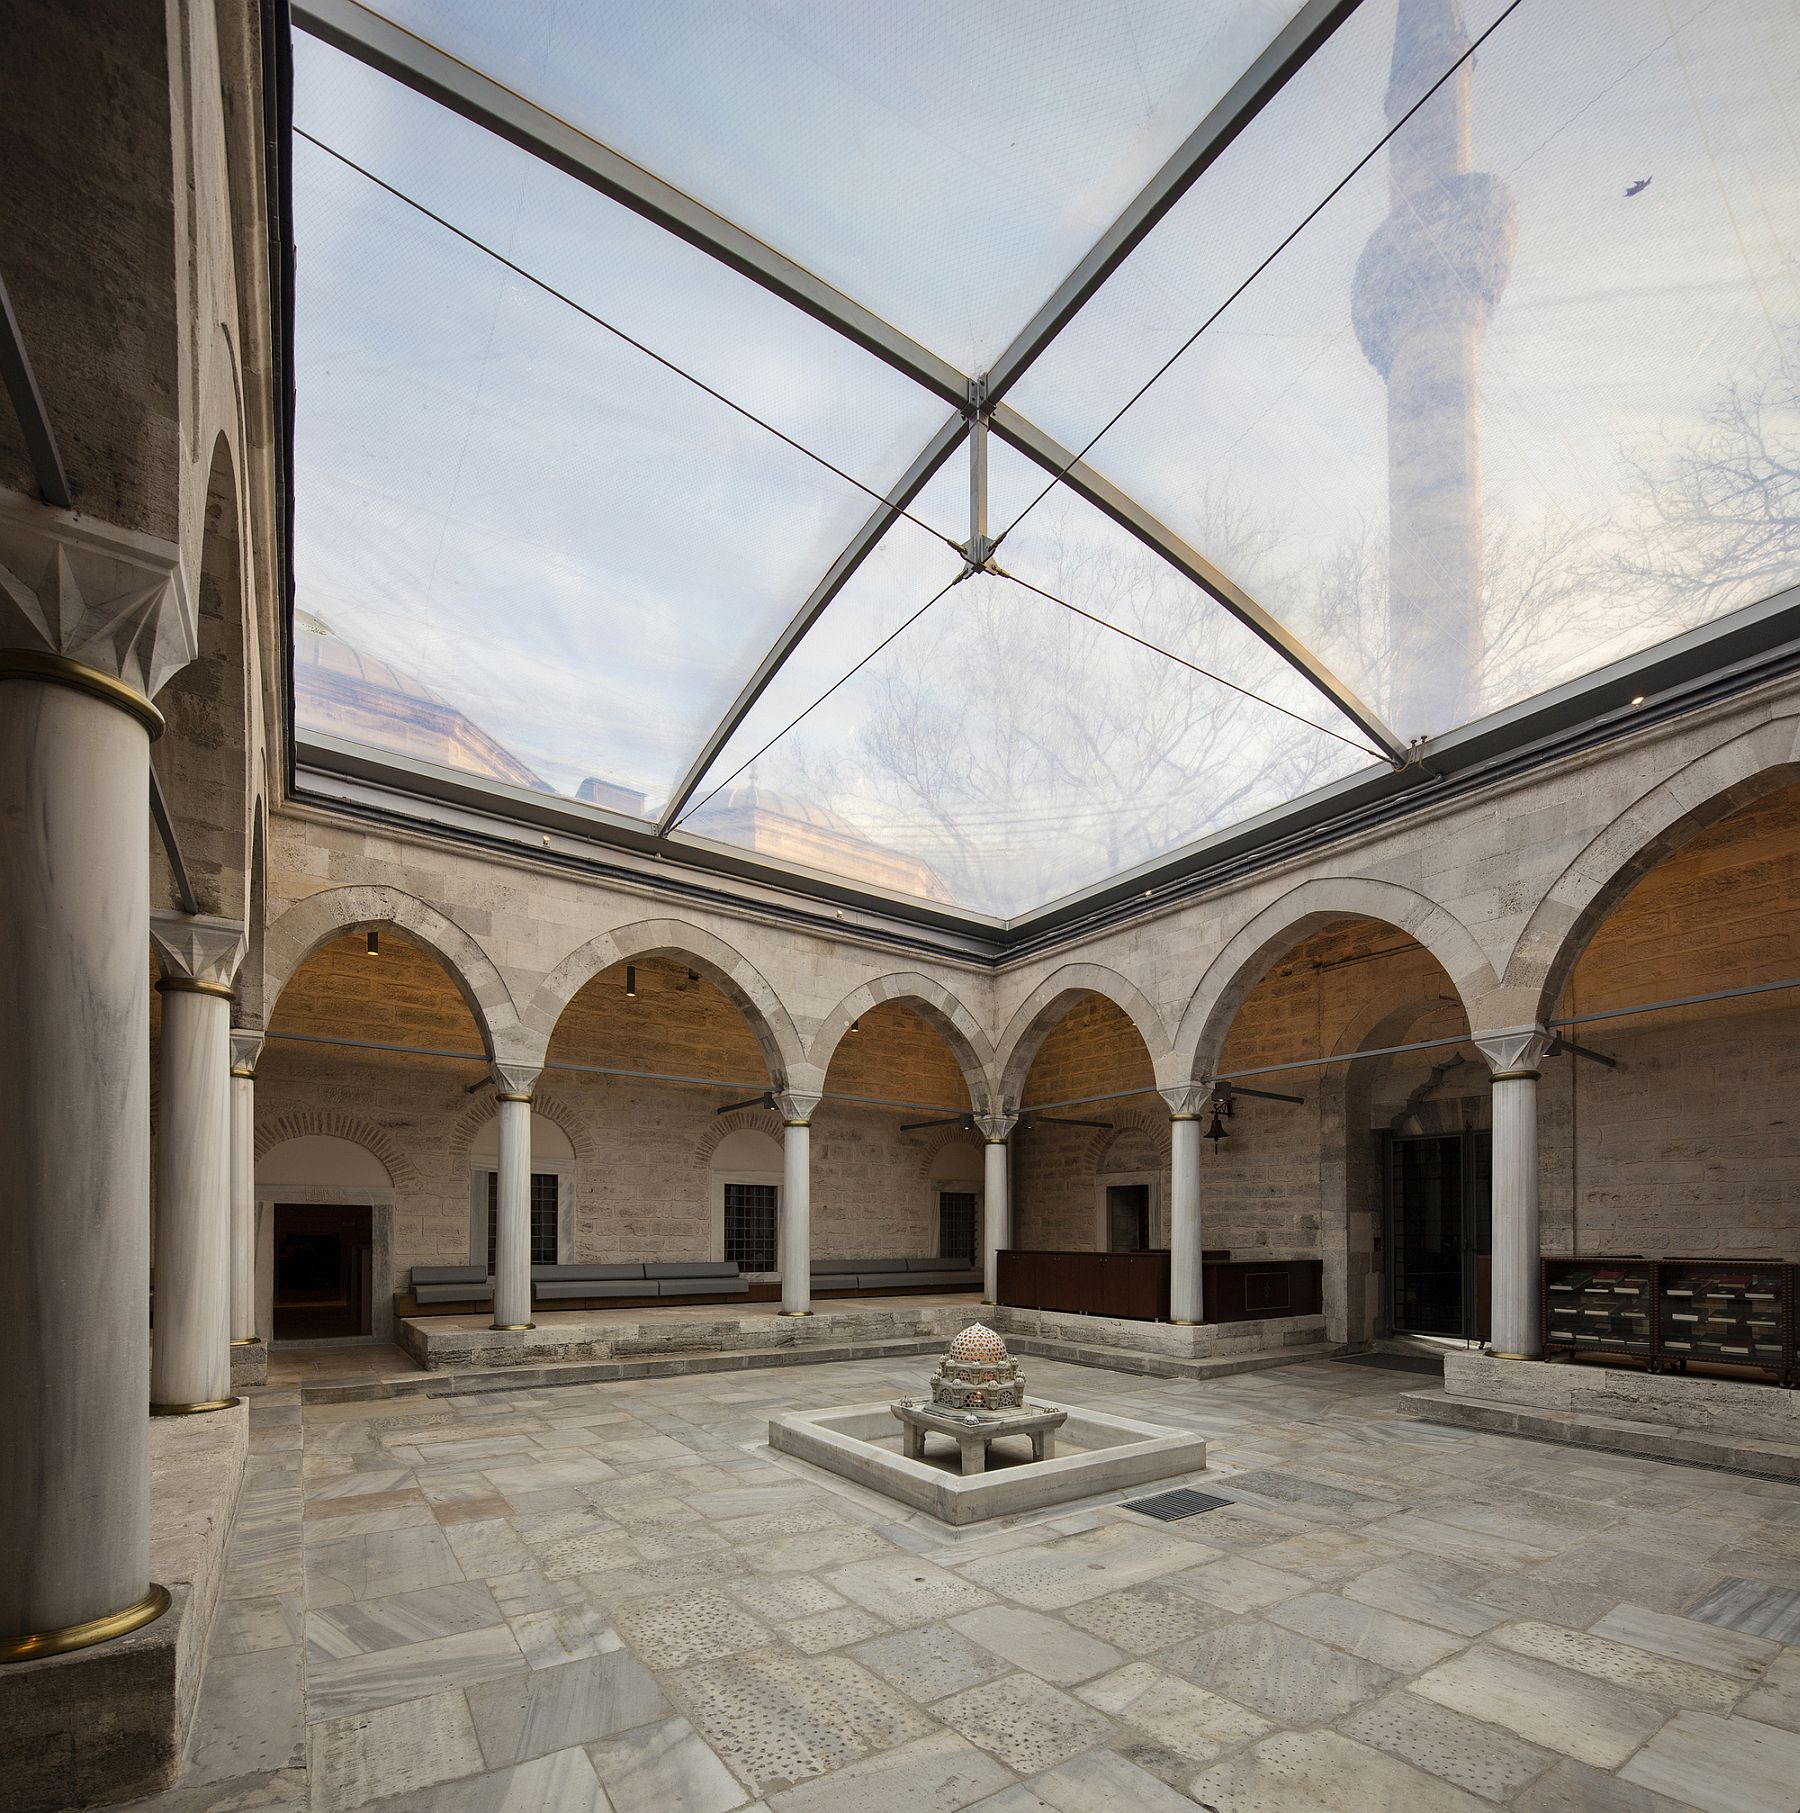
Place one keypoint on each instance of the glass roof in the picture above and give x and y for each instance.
(1466, 367)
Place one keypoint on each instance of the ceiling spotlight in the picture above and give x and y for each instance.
(631, 982)
(374, 949)
(1638, 700)
(856, 1025)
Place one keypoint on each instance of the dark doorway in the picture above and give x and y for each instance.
(324, 1258)
(1439, 1232)
(1127, 1217)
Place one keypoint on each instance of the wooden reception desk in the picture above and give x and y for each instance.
(1136, 1285)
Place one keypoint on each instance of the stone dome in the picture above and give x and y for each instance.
(978, 1345)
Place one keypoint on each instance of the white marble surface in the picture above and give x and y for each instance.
(512, 1217)
(796, 1217)
(245, 1048)
(75, 1181)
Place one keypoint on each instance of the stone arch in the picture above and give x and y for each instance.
(1713, 786)
(936, 1140)
(936, 1005)
(739, 1120)
(333, 1123)
(321, 917)
(1130, 1124)
(204, 763)
(1037, 1015)
(1248, 957)
(732, 973)
(485, 1106)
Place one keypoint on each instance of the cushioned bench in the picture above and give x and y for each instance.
(842, 1277)
(452, 1284)
(445, 1289)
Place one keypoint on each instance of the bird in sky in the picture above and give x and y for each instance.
(1638, 187)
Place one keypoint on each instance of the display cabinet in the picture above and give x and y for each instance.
(1673, 1313)
(1605, 1306)
(1727, 1312)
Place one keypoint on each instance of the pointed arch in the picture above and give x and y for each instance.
(936, 1005)
(729, 970)
(1713, 786)
(1248, 957)
(333, 1123)
(1038, 1014)
(321, 917)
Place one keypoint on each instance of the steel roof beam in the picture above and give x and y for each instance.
(28, 406)
(1283, 58)
(837, 576)
(427, 70)
(1130, 515)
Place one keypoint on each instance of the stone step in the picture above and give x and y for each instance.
(1616, 1435)
(669, 1365)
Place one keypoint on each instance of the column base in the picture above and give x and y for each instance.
(1185, 1322)
(793, 1312)
(249, 1341)
(193, 1409)
(1494, 1353)
(91, 1630)
(511, 1328)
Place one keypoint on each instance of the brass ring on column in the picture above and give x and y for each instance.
(1186, 1321)
(796, 1123)
(195, 985)
(510, 1095)
(1515, 1076)
(59, 670)
(1494, 1353)
(243, 1075)
(793, 1312)
(193, 1409)
(510, 1328)
(248, 1341)
(91, 1630)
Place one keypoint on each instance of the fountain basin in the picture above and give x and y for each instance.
(859, 1442)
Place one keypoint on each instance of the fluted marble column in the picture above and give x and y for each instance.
(1186, 1297)
(1516, 1320)
(246, 1048)
(92, 621)
(512, 1200)
(796, 1202)
(190, 1347)
(996, 1197)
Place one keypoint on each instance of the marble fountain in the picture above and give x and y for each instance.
(946, 1461)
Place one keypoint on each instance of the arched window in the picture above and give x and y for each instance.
(746, 1194)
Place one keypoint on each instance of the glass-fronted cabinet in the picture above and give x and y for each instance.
(1728, 1312)
(1599, 1306)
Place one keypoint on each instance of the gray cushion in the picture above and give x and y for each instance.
(693, 1268)
(548, 1273)
(450, 1274)
(824, 1267)
(875, 1281)
(702, 1287)
(592, 1287)
(453, 1293)
(935, 1265)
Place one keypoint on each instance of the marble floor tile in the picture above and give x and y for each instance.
(251, 1715)
(930, 1662)
(1173, 1714)
(941, 1773)
(1140, 1620)
(833, 1630)
(1043, 1646)
(664, 1768)
(1573, 1787)
(906, 1590)
(1053, 1576)
(1657, 1677)
(1429, 1590)
(1731, 1765)
(561, 1783)
(1592, 1721)
(1777, 1700)
(540, 1710)
(1688, 1640)
(1364, 1630)
(1279, 1673)
(413, 1671)
(695, 1624)
(1238, 1583)
(567, 1633)
(777, 1718)
(358, 1627)
(1101, 1781)
(1028, 1724)
(243, 1625)
(1475, 1756)
(371, 1567)
(786, 1596)
(1322, 1772)
(391, 1750)
(1752, 1607)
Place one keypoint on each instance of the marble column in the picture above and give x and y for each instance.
(1516, 1321)
(246, 1048)
(92, 621)
(190, 1346)
(996, 1197)
(512, 1200)
(1186, 1105)
(796, 1202)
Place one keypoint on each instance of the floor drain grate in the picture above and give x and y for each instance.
(1169, 1507)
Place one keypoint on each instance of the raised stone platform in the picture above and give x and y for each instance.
(1668, 1416)
(1111, 1452)
(110, 1722)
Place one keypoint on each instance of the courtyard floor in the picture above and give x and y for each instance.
(614, 1596)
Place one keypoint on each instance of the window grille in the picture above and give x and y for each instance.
(543, 1216)
(959, 1213)
(750, 1210)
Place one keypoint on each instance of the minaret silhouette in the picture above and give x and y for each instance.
(1425, 286)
